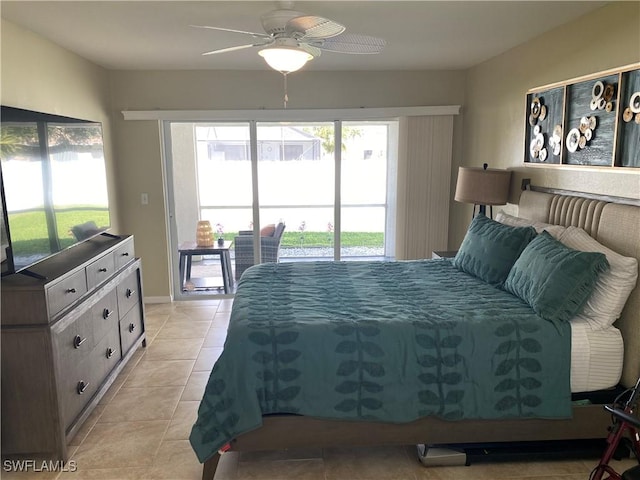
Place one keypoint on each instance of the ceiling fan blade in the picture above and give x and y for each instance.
(350, 43)
(253, 34)
(239, 47)
(310, 26)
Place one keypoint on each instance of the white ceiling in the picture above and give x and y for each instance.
(420, 35)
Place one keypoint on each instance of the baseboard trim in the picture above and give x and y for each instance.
(166, 299)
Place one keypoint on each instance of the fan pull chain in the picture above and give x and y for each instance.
(286, 96)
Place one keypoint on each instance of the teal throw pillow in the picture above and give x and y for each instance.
(490, 249)
(554, 279)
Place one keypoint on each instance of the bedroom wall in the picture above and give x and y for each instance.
(139, 144)
(494, 119)
(39, 75)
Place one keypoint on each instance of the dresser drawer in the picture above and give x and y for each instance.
(66, 291)
(100, 270)
(76, 387)
(80, 376)
(128, 293)
(106, 355)
(124, 254)
(130, 329)
(104, 315)
(74, 341)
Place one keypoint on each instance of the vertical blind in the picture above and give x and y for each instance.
(424, 178)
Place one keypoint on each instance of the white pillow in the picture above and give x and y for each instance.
(613, 287)
(554, 230)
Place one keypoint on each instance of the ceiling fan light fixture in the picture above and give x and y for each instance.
(285, 59)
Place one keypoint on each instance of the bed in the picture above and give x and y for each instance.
(321, 355)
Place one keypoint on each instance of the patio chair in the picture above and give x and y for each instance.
(270, 237)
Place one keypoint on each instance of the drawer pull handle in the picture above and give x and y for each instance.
(78, 340)
(132, 327)
(125, 254)
(109, 352)
(103, 269)
(70, 290)
(130, 293)
(106, 313)
(82, 387)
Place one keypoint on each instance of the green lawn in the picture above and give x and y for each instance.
(29, 232)
(325, 239)
(26, 226)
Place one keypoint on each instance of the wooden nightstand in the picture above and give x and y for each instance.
(444, 254)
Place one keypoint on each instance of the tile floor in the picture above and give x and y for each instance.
(141, 427)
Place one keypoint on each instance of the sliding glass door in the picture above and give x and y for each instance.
(365, 191)
(296, 178)
(223, 171)
(286, 180)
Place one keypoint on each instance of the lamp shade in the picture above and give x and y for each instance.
(482, 186)
(285, 59)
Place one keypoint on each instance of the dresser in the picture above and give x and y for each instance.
(69, 325)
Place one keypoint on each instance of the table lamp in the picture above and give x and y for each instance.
(482, 186)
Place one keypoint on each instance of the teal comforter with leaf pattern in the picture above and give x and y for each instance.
(381, 341)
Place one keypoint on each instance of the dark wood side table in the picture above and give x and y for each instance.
(188, 249)
(444, 254)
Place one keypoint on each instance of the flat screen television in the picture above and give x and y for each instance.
(53, 185)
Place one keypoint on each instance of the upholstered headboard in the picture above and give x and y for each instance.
(616, 226)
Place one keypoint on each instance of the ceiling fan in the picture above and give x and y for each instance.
(293, 38)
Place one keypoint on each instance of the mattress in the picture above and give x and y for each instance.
(596, 357)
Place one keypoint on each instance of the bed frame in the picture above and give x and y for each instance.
(614, 222)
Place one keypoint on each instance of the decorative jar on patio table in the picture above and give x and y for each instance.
(204, 234)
